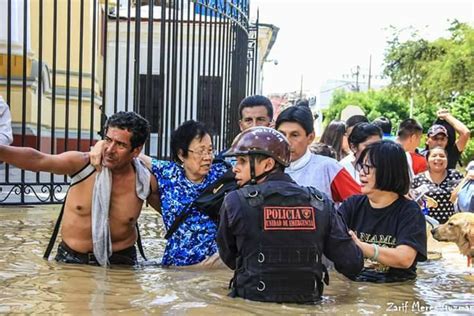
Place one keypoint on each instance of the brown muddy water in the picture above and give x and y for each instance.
(29, 284)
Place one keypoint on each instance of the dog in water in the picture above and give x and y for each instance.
(460, 230)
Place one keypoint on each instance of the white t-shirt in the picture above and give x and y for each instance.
(346, 162)
(6, 134)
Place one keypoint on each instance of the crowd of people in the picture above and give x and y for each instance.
(348, 200)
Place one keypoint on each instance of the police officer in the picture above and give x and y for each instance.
(274, 232)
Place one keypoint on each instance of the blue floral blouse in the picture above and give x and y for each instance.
(194, 240)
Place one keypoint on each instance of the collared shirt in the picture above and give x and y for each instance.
(194, 240)
(325, 174)
(6, 134)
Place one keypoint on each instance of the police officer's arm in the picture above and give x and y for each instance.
(31, 159)
(226, 240)
(341, 249)
(401, 257)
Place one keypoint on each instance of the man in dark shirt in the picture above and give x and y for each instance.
(274, 232)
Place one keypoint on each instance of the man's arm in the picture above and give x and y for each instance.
(31, 159)
(461, 129)
(154, 199)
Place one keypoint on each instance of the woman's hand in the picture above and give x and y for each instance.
(367, 249)
(402, 256)
(443, 114)
(95, 155)
(354, 238)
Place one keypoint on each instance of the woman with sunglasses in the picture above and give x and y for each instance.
(389, 229)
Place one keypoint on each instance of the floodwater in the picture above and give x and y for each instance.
(29, 284)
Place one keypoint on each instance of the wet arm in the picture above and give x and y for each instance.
(154, 199)
(31, 159)
(401, 257)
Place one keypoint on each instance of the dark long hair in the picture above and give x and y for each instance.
(333, 135)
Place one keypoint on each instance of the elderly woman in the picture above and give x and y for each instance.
(180, 182)
(389, 229)
(439, 182)
(362, 135)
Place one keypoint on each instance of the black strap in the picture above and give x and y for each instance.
(139, 243)
(54, 235)
(181, 217)
(84, 173)
(252, 169)
(178, 220)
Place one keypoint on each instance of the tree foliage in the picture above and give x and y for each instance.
(374, 104)
(436, 74)
(433, 74)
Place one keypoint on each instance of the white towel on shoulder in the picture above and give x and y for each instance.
(102, 242)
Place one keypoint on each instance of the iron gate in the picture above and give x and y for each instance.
(68, 64)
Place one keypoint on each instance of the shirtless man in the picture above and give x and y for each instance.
(126, 132)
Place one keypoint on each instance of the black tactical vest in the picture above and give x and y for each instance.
(280, 257)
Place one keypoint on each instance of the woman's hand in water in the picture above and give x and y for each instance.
(95, 155)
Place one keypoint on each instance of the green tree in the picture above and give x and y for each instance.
(374, 103)
(435, 72)
(463, 109)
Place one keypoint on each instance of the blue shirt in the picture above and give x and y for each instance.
(194, 240)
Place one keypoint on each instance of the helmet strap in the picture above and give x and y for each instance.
(254, 178)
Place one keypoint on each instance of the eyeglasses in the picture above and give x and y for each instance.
(203, 152)
(364, 167)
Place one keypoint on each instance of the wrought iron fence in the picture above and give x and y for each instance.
(66, 65)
